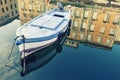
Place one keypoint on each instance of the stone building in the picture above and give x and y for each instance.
(8, 11)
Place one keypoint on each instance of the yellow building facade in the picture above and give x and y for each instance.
(8, 11)
(31, 8)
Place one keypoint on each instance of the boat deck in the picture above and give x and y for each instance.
(48, 22)
(45, 25)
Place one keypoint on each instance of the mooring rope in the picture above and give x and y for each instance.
(10, 52)
(13, 46)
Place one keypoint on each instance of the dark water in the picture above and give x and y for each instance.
(84, 63)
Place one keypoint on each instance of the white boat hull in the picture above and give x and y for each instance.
(29, 48)
(34, 46)
(42, 31)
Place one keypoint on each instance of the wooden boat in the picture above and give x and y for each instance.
(42, 31)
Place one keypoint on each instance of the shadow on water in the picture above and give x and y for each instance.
(42, 57)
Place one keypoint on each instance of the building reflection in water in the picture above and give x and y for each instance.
(94, 26)
(42, 57)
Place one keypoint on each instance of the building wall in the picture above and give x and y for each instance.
(31, 8)
(8, 11)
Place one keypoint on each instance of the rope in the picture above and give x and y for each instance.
(6, 65)
(14, 68)
(10, 52)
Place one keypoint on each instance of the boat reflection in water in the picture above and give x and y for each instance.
(42, 57)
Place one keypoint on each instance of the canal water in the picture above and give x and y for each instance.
(82, 63)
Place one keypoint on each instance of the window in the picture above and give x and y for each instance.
(89, 38)
(76, 23)
(102, 30)
(16, 11)
(99, 39)
(77, 13)
(3, 10)
(11, 6)
(83, 27)
(95, 16)
(15, 5)
(12, 13)
(5, 1)
(112, 31)
(1, 2)
(7, 8)
(39, 7)
(82, 36)
(74, 35)
(106, 18)
(86, 14)
(116, 19)
(108, 42)
(92, 27)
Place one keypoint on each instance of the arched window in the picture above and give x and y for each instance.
(3, 10)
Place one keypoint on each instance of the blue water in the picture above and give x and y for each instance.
(83, 63)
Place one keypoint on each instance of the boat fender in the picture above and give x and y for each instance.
(19, 41)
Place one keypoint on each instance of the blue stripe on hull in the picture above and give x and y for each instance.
(30, 40)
